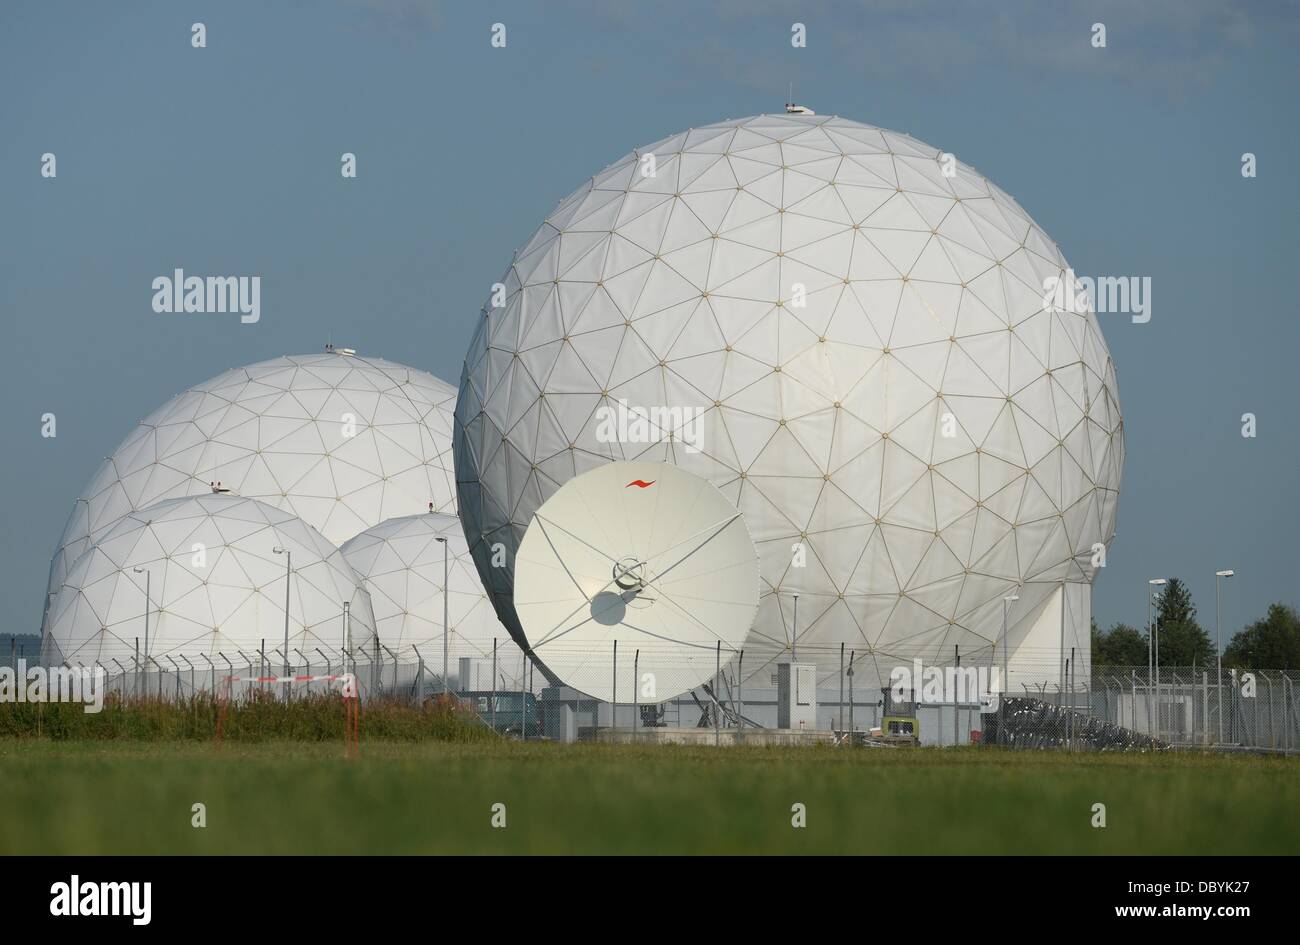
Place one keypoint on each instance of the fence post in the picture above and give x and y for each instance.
(494, 684)
(956, 653)
(852, 654)
(841, 723)
(740, 693)
(523, 696)
(1288, 705)
(1272, 741)
(1205, 708)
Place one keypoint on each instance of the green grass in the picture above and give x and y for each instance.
(436, 797)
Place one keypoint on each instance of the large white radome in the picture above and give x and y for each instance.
(341, 441)
(216, 587)
(834, 306)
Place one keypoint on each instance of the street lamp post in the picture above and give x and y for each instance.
(446, 620)
(1218, 645)
(288, 573)
(1006, 666)
(148, 580)
(1009, 599)
(1153, 662)
(794, 633)
(347, 636)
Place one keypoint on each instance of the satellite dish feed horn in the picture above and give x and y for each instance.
(667, 570)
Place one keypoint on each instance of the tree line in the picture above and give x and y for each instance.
(1271, 642)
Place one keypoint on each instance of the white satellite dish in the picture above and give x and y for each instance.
(643, 555)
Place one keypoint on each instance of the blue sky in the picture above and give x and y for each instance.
(225, 160)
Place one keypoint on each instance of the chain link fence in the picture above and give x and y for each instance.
(1117, 708)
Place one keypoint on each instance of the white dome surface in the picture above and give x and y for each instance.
(341, 441)
(400, 563)
(851, 345)
(216, 586)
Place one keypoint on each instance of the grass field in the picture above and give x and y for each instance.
(92, 797)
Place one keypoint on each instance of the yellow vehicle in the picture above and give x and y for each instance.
(898, 721)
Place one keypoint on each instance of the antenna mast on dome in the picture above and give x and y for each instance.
(792, 109)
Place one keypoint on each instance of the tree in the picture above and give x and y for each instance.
(1121, 645)
(1272, 642)
(1181, 639)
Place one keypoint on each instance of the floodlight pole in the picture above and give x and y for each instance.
(852, 654)
(841, 722)
(717, 688)
(523, 699)
(347, 636)
(148, 578)
(1153, 662)
(1006, 669)
(446, 622)
(1218, 645)
(794, 632)
(740, 692)
(956, 655)
(1006, 666)
(288, 574)
(1069, 744)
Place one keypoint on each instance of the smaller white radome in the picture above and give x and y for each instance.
(340, 440)
(216, 587)
(400, 563)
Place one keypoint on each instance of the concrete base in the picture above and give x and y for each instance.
(705, 736)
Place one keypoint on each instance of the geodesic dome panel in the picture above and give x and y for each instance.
(855, 347)
(400, 562)
(215, 583)
(341, 441)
